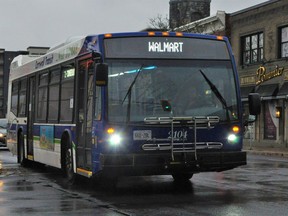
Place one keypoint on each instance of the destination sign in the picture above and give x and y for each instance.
(165, 47)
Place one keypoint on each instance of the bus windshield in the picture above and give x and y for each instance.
(137, 89)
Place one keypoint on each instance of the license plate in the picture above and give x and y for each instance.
(142, 134)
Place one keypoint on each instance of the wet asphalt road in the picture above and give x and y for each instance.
(260, 188)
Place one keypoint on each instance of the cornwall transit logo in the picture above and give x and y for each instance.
(164, 47)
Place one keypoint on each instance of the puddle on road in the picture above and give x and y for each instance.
(5, 172)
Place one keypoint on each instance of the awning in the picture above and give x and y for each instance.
(266, 92)
(270, 90)
(283, 92)
(246, 90)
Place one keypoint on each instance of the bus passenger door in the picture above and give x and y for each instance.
(31, 115)
(84, 116)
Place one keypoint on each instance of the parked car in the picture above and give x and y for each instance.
(3, 132)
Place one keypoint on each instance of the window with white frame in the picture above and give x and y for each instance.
(252, 48)
(284, 42)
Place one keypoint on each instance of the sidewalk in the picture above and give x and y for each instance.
(280, 152)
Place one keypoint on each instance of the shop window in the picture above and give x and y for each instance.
(271, 122)
(283, 42)
(252, 48)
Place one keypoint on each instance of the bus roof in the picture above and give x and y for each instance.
(54, 56)
(73, 47)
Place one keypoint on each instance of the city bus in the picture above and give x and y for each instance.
(121, 104)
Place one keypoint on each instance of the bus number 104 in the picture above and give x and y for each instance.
(178, 134)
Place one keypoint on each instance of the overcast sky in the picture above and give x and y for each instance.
(25, 23)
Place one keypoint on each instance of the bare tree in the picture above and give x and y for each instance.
(159, 22)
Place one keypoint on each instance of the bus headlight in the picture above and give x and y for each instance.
(115, 139)
(232, 138)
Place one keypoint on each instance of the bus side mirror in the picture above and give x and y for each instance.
(254, 104)
(101, 71)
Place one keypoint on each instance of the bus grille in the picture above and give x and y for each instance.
(181, 147)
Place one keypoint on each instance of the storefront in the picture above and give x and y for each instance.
(259, 39)
(271, 127)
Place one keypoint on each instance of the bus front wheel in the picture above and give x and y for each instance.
(67, 162)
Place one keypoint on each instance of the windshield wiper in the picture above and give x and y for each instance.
(128, 94)
(217, 93)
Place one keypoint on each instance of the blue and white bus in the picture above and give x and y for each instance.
(145, 103)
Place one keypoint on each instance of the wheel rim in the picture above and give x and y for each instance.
(69, 166)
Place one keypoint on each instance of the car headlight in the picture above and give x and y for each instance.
(1, 135)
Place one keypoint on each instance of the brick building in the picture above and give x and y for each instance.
(259, 38)
(216, 25)
(6, 58)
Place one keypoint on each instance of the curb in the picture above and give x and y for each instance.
(267, 153)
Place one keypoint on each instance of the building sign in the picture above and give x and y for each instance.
(263, 75)
(247, 80)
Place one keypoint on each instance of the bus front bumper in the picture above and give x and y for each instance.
(162, 163)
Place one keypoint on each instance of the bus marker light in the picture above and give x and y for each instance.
(84, 172)
(235, 129)
(110, 130)
(151, 33)
(165, 33)
(108, 35)
(219, 37)
(180, 34)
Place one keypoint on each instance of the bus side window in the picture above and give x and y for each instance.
(98, 106)
(67, 94)
(53, 99)
(42, 97)
(14, 101)
(22, 98)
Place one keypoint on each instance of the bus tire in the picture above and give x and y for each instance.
(67, 159)
(182, 177)
(21, 150)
